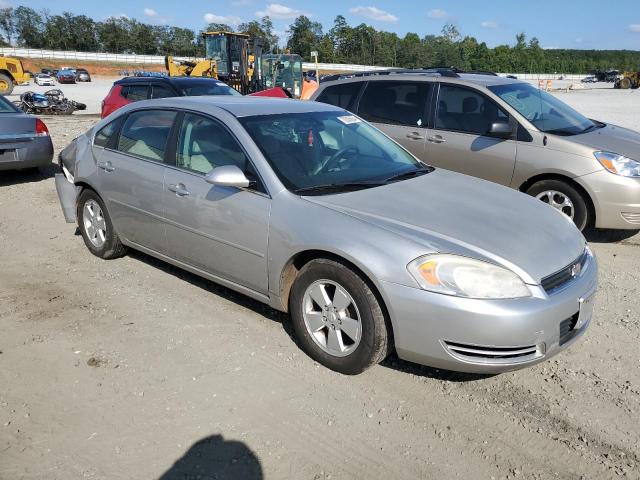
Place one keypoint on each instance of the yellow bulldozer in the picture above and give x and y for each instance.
(11, 73)
(237, 60)
(628, 80)
(187, 68)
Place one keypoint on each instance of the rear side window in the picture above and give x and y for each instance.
(342, 95)
(465, 110)
(6, 106)
(145, 134)
(162, 91)
(396, 103)
(135, 93)
(106, 135)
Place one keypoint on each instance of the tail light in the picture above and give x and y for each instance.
(41, 129)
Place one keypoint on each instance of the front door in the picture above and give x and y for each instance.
(399, 109)
(460, 141)
(131, 173)
(221, 230)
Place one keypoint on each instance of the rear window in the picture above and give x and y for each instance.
(6, 106)
(397, 103)
(205, 87)
(342, 95)
(135, 93)
(145, 134)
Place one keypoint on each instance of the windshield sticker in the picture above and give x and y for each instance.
(349, 119)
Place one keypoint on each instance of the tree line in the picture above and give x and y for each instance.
(342, 43)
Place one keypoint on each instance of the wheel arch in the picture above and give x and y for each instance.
(563, 178)
(293, 266)
(4, 71)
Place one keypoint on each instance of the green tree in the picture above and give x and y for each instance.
(304, 36)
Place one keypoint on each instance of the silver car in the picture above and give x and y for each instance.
(506, 131)
(309, 209)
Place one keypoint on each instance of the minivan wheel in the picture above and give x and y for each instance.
(337, 318)
(562, 197)
(96, 227)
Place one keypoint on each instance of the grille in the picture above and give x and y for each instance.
(494, 355)
(564, 276)
(632, 217)
(567, 326)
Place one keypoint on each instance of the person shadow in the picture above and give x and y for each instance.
(214, 458)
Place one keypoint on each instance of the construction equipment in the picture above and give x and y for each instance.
(11, 73)
(187, 68)
(285, 71)
(628, 80)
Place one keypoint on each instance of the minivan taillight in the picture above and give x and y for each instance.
(41, 129)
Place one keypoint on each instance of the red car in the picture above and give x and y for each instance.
(133, 89)
(66, 76)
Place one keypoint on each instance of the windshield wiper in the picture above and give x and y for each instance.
(336, 187)
(409, 174)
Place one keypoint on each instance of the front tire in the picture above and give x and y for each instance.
(565, 198)
(337, 318)
(6, 84)
(96, 227)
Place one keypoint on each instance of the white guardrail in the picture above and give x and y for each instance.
(159, 60)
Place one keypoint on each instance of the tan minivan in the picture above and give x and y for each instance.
(506, 131)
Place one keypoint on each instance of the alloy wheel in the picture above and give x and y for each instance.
(559, 201)
(94, 223)
(332, 318)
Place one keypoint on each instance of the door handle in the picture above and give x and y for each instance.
(180, 190)
(437, 139)
(414, 136)
(106, 166)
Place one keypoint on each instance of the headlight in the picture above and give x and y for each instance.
(465, 277)
(619, 164)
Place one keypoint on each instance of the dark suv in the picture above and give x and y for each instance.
(133, 89)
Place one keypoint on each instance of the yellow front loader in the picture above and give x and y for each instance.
(11, 73)
(202, 68)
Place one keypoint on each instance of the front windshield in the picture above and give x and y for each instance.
(542, 109)
(326, 152)
(213, 87)
(216, 49)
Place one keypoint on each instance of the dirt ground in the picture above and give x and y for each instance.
(132, 369)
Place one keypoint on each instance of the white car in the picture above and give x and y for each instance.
(44, 79)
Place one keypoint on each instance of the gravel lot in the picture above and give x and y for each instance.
(132, 369)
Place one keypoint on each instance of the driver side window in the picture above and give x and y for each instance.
(204, 144)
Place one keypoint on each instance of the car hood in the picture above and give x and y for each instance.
(611, 138)
(449, 212)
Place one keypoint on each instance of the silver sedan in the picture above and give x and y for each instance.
(313, 211)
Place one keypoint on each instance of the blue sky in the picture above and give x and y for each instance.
(558, 24)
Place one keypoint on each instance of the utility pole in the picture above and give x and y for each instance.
(314, 55)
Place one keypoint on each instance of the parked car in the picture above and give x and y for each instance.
(24, 139)
(82, 75)
(47, 71)
(66, 76)
(134, 89)
(589, 79)
(309, 209)
(71, 69)
(506, 131)
(43, 79)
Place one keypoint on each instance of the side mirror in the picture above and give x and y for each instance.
(500, 130)
(227, 176)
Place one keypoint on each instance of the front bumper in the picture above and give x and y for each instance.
(489, 336)
(616, 199)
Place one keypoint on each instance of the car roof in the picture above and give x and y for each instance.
(241, 106)
(482, 79)
(171, 80)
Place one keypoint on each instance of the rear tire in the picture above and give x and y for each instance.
(352, 314)
(96, 227)
(560, 194)
(625, 83)
(6, 84)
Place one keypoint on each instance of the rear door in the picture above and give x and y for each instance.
(131, 169)
(399, 109)
(221, 230)
(459, 139)
(162, 91)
